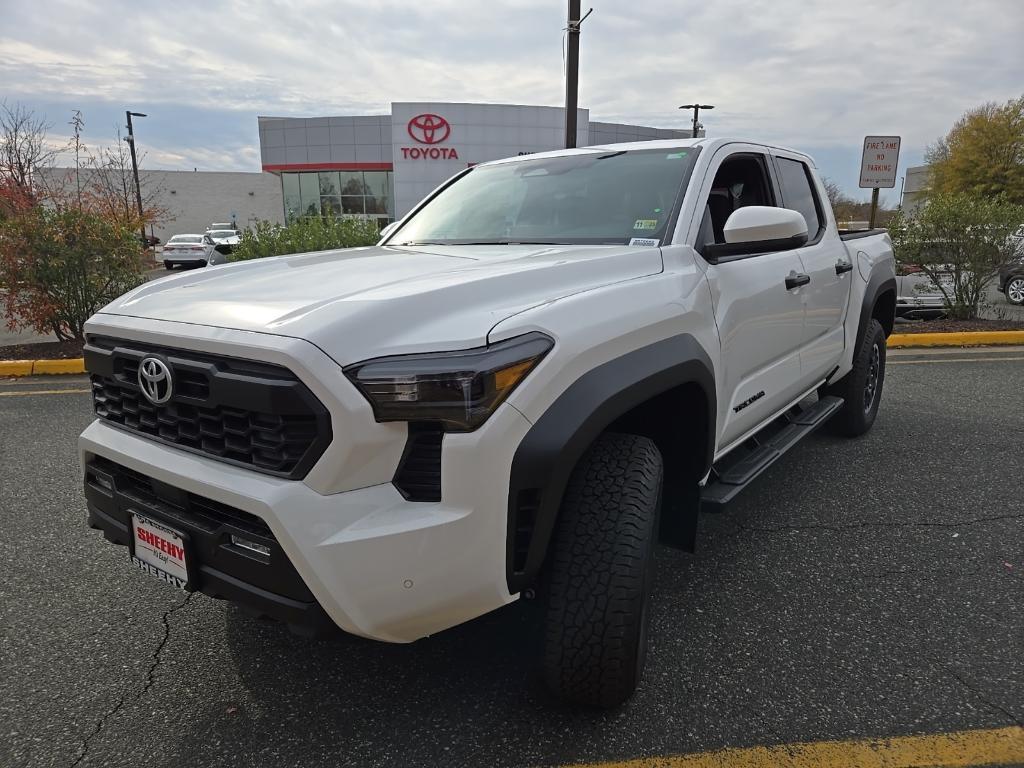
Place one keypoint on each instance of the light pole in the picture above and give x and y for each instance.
(135, 171)
(572, 70)
(696, 114)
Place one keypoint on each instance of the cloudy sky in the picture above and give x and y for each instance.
(814, 74)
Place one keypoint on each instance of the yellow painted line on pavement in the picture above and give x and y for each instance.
(890, 361)
(26, 392)
(998, 746)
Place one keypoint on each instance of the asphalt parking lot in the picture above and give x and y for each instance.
(861, 590)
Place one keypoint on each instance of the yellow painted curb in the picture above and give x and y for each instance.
(16, 367)
(963, 339)
(73, 365)
(40, 367)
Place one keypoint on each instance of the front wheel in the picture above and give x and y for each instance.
(861, 388)
(1015, 290)
(599, 580)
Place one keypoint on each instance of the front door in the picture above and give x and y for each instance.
(760, 321)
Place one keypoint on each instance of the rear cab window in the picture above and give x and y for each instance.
(799, 194)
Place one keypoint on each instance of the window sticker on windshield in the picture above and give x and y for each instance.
(646, 224)
(675, 156)
(647, 242)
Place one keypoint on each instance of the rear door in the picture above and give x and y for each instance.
(760, 321)
(826, 260)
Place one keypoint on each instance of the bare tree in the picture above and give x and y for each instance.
(836, 196)
(77, 123)
(24, 148)
(110, 185)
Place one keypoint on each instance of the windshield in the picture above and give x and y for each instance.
(611, 197)
(186, 239)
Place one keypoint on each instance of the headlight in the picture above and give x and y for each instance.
(459, 389)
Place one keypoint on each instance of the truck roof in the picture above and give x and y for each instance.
(710, 144)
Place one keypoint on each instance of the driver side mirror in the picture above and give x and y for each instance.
(758, 229)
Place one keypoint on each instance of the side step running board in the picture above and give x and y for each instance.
(732, 474)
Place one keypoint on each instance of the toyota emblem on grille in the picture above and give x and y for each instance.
(155, 380)
(429, 128)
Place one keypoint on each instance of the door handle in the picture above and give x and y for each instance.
(795, 280)
(842, 267)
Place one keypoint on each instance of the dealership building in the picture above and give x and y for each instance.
(381, 166)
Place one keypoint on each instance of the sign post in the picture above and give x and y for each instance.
(878, 167)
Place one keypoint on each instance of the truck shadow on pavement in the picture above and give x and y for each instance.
(469, 696)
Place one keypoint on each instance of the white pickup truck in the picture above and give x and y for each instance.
(552, 362)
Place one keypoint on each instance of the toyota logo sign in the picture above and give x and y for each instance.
(155, 380)
(429, 128)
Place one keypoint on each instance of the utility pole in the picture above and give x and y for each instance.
(572, 70)
(135, 171)
(696, 115)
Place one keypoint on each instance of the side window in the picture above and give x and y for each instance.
(798, 194)
(741, 180)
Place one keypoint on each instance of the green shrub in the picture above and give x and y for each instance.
(60, 266)
(961, 235)
(311, 233)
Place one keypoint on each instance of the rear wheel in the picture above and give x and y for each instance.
(1015, 290)
(861, 388)
(168, 265)
(599, 581)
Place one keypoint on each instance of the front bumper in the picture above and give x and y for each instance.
(377, 565)
(266, 585)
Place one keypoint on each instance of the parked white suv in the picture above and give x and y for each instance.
(551, 361)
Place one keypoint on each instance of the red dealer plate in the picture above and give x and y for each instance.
(159, 550)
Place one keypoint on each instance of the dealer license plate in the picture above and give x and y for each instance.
(159, 550)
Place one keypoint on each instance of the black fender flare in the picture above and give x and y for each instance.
(880, 282)
(546, 456)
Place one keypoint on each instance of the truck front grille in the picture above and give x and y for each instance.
(251, 414)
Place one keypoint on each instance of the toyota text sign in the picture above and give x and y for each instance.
(429, 129)
(878, 163)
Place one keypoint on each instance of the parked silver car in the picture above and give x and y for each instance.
(188, 250)
(917, 295)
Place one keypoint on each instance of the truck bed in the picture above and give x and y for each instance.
(856, 234)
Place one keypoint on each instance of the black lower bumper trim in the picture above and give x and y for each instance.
(262, 586)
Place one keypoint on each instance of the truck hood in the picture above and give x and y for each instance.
(365, 302)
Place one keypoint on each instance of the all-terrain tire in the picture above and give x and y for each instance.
(861, 388)
(599, 577)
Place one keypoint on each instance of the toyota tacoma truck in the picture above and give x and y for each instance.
(551, 364)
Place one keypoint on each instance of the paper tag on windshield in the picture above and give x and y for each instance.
(648, 242)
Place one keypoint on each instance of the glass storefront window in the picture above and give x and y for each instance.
(309, 189)
(338, 193)
(352, 183)
(377, 205)
(376, 183)
(329, 183)
(290, 192)
(352, 204)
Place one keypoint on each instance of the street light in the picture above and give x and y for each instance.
(130, 138)
(696, 114)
